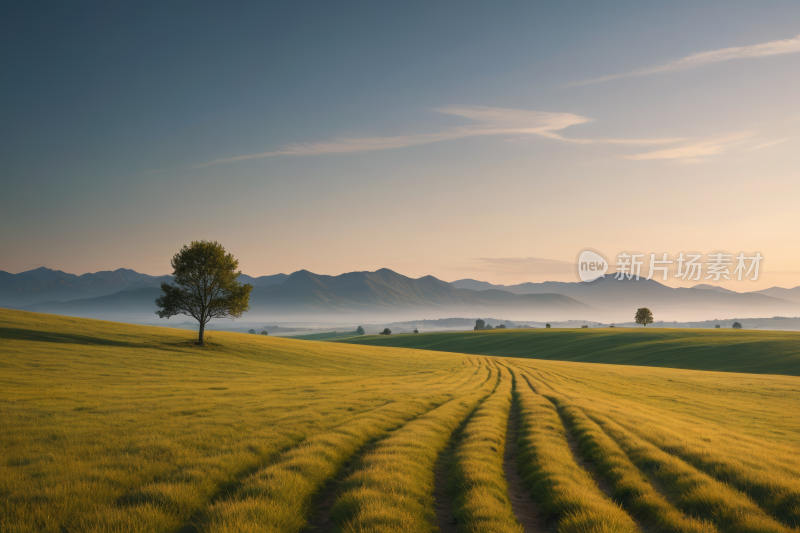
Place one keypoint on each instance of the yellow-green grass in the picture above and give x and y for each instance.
(477, 480)
(744, 425)
(756, 352)
(696, 493)
(279, 496)
(565, 491)
(112, 427)
(130, 428)
(631, 488)
(391, 490)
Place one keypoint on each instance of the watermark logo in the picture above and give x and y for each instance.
(591, 265)
(718, 266)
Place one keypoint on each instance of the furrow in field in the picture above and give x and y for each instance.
(565, 491)
(696, 493)
(279, 497)
(480, 500)
(392, 488)
(630, 486)
(776, 489)
(286, 487)
(526, 511)
(320, 518)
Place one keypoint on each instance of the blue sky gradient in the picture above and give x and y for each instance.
(110, 113)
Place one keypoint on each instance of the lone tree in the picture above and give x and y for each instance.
(386, 331)
(360, 330)
(416, 330)
(252, 332)
(265, 332)
(479, 324)
(643, 316)
(736, 325)
(204, 286)
(547, 326)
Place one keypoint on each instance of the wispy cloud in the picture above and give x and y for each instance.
(772, 143)
(771, 48)
(494, 121)
(692, 151)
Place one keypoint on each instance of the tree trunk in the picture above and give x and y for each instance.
(202, 330)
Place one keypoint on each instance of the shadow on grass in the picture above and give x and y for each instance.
(60, 338)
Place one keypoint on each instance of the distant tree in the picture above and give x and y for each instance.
(547, 326)
(416, 330)
(252, 331)
(501, 326)
(716, 327)
(360, 330)
(643, 316)
(584, 326)
(479, 324)
(488, 326)
(612, 326)
(386, 331)
(204, 286)
(736, 325)
(264, 332)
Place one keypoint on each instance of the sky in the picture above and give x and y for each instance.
(485, 140)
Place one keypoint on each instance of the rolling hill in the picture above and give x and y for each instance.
(117, 427)
(756, 352)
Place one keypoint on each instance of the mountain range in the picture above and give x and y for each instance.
(124, 294)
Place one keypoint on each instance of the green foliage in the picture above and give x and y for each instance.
(416, 330)
(643, 316)
(204, 285)
(360, 330)
(264, 333)
(736, 325)
(480, 325)
(251, 331)
(386, 331)
(547, 326)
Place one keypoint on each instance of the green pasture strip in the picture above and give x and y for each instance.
(477, 479)
(563, 489)
(391, 490)
(695, 492)
(754, 352)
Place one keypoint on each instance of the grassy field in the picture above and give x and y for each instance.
(755, 352)
(113, 427)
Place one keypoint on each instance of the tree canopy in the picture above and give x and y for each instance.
(643, 316)
(360, 330)
(204, 285)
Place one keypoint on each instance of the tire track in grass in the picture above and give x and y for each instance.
(526, 511)
(443, 503)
